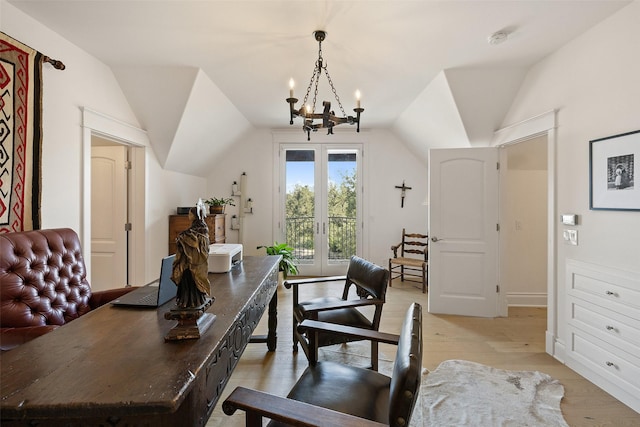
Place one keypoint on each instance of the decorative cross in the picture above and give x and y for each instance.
(404, 189)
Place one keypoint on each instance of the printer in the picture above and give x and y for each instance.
(223, 256)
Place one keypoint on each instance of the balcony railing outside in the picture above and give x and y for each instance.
(342, 237)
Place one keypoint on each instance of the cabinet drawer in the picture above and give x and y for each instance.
(616, 329)
(617, 293)
(611, 363)
(218, 224)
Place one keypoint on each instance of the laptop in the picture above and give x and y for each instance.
(155, 293)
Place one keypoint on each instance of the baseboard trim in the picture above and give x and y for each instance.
(527, 299)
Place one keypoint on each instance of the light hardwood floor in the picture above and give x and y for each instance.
(515, 342)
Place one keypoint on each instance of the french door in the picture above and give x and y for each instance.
(320, 205)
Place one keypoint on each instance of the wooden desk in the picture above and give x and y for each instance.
(112, 366)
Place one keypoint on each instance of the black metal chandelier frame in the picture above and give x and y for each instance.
(327, 116)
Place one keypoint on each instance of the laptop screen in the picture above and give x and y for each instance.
(167, 288)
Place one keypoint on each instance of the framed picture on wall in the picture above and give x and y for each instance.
(612, 167)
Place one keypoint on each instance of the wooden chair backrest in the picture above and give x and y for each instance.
(414, 243)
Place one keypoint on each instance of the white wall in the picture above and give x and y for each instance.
(87, 82)
(525, 259)
(593, 83)
(387, 164)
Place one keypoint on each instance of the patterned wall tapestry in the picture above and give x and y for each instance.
(20, 135)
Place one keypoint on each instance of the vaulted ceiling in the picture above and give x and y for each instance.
(201, 74)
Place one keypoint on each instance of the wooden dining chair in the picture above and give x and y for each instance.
(412, 259)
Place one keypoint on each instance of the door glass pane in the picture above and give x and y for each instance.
(300, 203)
(341, 205)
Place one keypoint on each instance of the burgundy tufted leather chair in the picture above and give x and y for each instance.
(43, 284)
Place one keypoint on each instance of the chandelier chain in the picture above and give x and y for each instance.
(334, 91)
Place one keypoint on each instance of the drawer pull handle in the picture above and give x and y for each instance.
(610, 328)
(610, 364)
(610, 293)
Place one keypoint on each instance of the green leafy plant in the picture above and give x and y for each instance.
(214, 201)
(288, 263)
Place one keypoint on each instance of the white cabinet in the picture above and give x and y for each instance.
(603, 328)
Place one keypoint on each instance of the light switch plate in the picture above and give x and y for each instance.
(570, 237)
(569, 219)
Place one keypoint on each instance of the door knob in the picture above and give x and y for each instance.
(434, 239)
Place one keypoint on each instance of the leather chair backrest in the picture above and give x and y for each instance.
(43, 278)
(369, 277)
(407, 369)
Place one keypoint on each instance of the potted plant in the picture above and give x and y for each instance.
(288, 263)
(216, 205)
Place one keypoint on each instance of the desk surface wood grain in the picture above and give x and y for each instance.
(115, 360)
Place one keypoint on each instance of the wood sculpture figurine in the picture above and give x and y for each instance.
(190, 273)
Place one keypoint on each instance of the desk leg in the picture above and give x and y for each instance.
(272, 323)
(272, 334)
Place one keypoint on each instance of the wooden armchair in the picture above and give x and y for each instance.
(332, 394)
(413, 259)
(370, 282)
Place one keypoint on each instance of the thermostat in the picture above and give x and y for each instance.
(570, 219)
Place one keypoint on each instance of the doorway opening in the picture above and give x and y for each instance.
(97, 125)
(523, 218)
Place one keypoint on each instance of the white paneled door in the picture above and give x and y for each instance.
(108, 217)
(463, 228)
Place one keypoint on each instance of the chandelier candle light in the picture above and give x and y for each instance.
(307, 112)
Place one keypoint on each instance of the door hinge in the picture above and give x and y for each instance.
(497, 227)
(128, 227)
(498, 165)
(127, 164)
(497, 289)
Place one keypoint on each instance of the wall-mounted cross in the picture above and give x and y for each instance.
(404, 189)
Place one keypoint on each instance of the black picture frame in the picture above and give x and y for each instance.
(612, 170)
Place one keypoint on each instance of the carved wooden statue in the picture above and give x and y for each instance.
(190, 268)
(190, 273)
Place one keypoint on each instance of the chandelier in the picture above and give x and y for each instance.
(327, 118)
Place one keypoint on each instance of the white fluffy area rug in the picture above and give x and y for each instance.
(462, 393)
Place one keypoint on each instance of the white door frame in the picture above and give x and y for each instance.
(94, 123)
(540, 125)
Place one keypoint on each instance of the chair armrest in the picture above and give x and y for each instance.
(13, 337)
(335, 305)
(295, 282)
(349, 331)
(394, 248)
(259, 404)
(100, 298)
